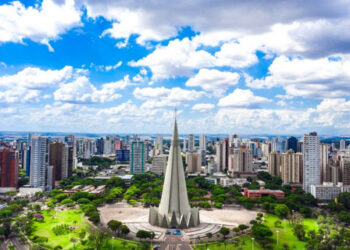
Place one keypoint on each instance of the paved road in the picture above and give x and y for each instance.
(174, 243)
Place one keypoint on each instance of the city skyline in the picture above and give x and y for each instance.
(116, 67)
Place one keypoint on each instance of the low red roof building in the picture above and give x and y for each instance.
(262, 192)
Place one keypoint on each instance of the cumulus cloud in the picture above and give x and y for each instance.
(39, 23)
(82, 91)
(36, 78)
(242, 98)
(160, 97)
(213, 80)
(315, 78)
(158, 20)
(203, 107)
(178, 58)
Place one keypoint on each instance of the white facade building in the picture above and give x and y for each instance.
(39, 160)
(311, 156)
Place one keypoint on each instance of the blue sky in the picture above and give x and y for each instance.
(255, 67)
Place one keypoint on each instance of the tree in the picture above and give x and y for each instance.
(124, 230)
(142, 234)
(94, 217)
(281, 210)
(243, 227)
(261, 231)
(278, 223)
(224, 231)
(37, 207)
(74, 240)
(299, 232)
(209, 235)
(114, 225)
(344, 198)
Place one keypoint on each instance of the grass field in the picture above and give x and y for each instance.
(244, 243)
(285, 234)
(52, 219)
(71, 218)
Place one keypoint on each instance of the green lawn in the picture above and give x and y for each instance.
(285, 234)
(245, 243)
(120, 244)
(52, 219)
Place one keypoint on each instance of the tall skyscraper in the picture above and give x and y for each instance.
(277, 145)
(325, 168)
(274, 165)
(191, 142)
(59, 160)
(203, 140)
(100, 146)
(137, 157)
(9, 162)
(39, 160)
(291, 167)
(221, 155)
(292, 143)
(194, 161)
(311, 159)
(342, 145)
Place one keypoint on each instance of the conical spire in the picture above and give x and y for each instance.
(174, 195)
(174, 208)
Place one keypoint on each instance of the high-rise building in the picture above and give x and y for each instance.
(291, 167)
(59, 160)
(342, 145)
(39, 160)
(203, 140)
(71, 160)
(70, 140)
(137, 157)
(50, 181)
(158, 144)
(345, 169)
(159, 164)
(241, 160)
(108, 145)
(191, 142)
(194, 162)
(123, 155)
(221, 155)
(325, 168)
(274, 164)
(292, 143)
(311, 159)
(184, 148)
(277, 145)
(9, 162)
(100, 146)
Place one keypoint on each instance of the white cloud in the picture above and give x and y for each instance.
(242, 98)
(36, 78)
(307, 77)
(158, 21)
(178, 58)
(236, 55)
(203, 107)
(160, 97)
(106, 68)
(81, 90)
(40, 23)
(213, 80)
